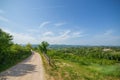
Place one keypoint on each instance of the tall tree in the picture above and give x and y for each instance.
(43, 47)
(5, 43)
(5, 40)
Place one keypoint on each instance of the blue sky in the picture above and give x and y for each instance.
(81, 22)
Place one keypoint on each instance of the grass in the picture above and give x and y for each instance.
(67, 70)
(106, 70)
(74, 67)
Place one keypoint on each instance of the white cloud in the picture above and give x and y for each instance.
(3, 19)
(43, 24)
(59, 24)
(21, 38)
(61, 38)
(51, 37)
(55, 39)
(78, 34)
(49, 33)
(65, 37)
(66, 34)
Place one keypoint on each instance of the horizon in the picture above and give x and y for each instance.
(76, 45)
(78, 22)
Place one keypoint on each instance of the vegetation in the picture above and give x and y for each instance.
(84, 63)
(10, 53)
(70, 63)
(43, 49)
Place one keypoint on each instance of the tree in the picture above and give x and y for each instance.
(5, 40)
(5, 43)
(29, 46)
(43, 47)
(10, 53)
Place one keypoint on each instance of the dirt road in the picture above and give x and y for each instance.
(29, 69)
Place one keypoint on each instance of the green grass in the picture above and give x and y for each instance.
(67, 70)
(105, 70)
(70, 66)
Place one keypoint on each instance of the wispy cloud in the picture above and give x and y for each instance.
(78, 37)
(61, 37)
(66, 34)
(3, 19)
(59, 24)
(49, 33)
(65, 37)
(58, 39)
(43, 24)
(78, 34)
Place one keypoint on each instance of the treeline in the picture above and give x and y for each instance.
(111, 53)
(10, 53)
(87, 55)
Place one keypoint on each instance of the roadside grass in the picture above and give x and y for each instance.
(67, 70)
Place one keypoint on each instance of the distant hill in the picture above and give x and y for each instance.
(57, 46)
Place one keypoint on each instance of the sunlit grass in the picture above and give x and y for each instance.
(75, 67)
(67, 70)
(106, 70)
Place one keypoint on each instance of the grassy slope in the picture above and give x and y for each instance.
(67, 70)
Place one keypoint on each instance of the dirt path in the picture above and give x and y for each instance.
(29, 69)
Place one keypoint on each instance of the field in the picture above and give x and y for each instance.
(83, 63)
